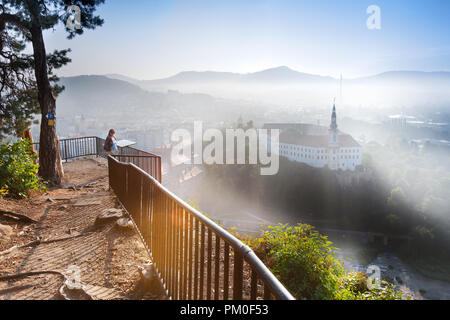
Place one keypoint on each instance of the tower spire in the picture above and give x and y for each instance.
(333, 125)
(333, 144)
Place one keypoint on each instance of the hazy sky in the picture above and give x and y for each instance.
(155, 39)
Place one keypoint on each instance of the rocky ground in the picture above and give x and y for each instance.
(53, 248)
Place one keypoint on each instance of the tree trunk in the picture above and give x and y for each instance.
(50, 168)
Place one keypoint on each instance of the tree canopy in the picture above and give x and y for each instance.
(22, 22)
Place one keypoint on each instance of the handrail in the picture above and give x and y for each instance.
(150, 164)
(72, 148)
(184, 244)
(174, 233)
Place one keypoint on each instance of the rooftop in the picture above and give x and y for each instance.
(317, 141)
(304, 128)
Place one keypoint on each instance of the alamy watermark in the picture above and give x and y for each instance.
(374, 277)
(74, 20)
(73, 277)
(374, 20)
(207, 146)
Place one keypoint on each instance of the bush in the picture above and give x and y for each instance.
(356, 283)
(18, 172)
(304, 261)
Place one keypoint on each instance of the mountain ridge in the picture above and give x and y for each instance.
(276, 72)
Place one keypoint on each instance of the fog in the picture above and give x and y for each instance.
(401, 120)
(284, 86)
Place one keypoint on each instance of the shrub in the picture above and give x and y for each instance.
(3, 191)
(304, 261)
(356, 283)
(18, 172)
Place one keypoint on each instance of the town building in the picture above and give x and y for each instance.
(318, 147)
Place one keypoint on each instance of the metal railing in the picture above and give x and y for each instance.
(194, 257)
(77, 147)
(73, 148)
(150, 164)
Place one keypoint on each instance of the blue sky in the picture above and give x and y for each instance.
(153, 39)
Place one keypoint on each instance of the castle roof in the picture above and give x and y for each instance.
(303, 128)
(317, 141)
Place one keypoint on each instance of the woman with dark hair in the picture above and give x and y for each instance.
(110, 142)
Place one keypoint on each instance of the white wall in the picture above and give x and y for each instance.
(348, 158)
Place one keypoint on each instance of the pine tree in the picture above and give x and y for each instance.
(25, 20)
(18, 92)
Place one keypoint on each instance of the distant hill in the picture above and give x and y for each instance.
(101, 95)
(282, 85)
(122, 78)
(84, 94)
(413, 75)
(418, 78)
(284, 74)
(100, 83)
(276, 75)
(281, 75)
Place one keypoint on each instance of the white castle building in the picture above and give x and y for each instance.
(314, 146)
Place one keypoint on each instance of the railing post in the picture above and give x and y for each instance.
(209, 271)
(196, 244)
(202, 261)
(65, 149)
(191, 232)
(226, 268)
(185, 252)
(237, 275)
(217, 268)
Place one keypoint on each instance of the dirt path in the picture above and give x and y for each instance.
(64, 239)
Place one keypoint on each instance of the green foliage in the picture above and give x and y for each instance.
(397, 198)
(305, 263)
(18, 173)
(302, 259)
(356, 283)
(18, 92)
(419, 198)
(3, 191)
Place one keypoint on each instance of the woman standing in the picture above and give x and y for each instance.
(111, 142)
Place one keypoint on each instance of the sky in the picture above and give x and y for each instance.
(151, 39)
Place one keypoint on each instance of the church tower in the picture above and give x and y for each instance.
(333, 132)
(333, 145)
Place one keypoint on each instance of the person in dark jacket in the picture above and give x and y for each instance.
(110, 142)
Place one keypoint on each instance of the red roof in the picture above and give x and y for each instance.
(294, 137)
